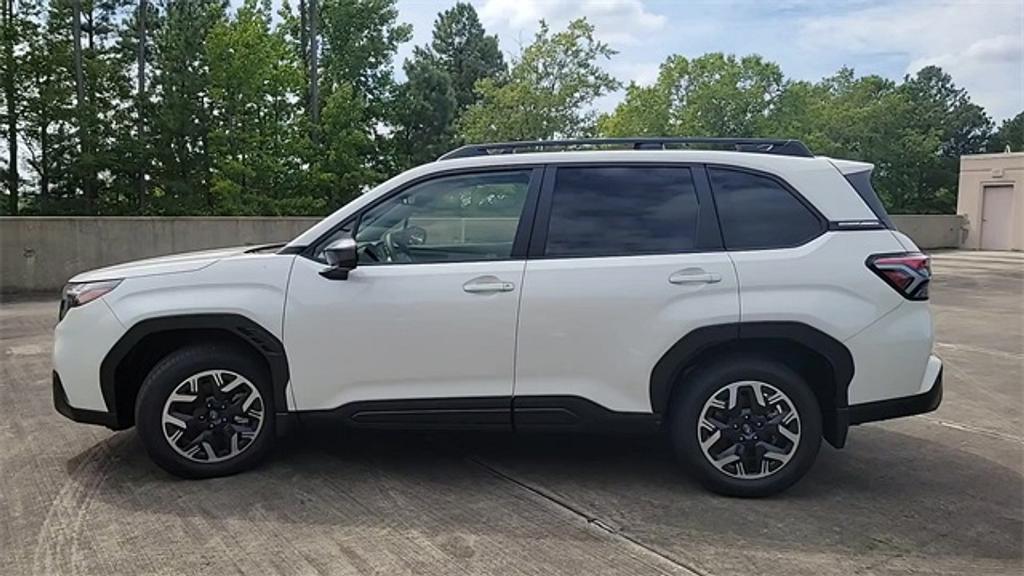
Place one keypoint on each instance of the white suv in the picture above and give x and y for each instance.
(749, 301)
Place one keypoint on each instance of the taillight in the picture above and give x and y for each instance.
(908, 273)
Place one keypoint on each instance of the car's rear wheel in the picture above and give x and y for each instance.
(746, 427)
(206, 411)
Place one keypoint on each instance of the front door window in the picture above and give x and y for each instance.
(461, 218)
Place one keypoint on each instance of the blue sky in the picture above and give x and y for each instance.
(979, 42)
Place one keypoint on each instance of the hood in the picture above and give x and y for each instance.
(187, 262)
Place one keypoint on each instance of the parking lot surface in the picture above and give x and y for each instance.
(941, 493)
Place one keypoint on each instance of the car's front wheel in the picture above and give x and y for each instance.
(746, 427)
(206, 411)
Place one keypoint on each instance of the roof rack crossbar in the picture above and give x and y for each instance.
(784, 147)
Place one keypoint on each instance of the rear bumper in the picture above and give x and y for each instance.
(928, 398)
(60, 402)
(899, 407)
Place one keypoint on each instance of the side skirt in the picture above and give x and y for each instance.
(577, 414)
(484, 413)
(501, 413)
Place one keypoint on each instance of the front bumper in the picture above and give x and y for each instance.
(80, 343)
(60, 402)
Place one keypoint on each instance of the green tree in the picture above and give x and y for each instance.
(845, 116)
(350, 149)
(462, 48)
(134, 141)
(550, 89)
(72, 87)
(360, 38)
(943, 109)
(177, 107)
(440, 84)
(423, 113)
(102, 89)
(942, 105)
(875, 120)
(49, 114)
(1010, 135)
(347, 158)
(839, 115)
(181, 159)
(715, 94)
(16, 30)
(254, 124)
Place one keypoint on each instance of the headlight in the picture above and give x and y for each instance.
(79, 293)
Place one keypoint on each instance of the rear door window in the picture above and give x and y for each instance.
(622, 211)
(758, 212)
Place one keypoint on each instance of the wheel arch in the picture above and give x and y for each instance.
(144, 344)
(822, 360)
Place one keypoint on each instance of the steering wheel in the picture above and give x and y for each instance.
(395, 244)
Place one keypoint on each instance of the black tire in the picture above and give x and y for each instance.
(695, 390)
(168, 374)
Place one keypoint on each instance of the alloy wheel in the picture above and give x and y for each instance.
(213, 416)
(749, 429)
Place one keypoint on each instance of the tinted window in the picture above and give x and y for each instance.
(757, 212)
(447, 219)
(621, 211)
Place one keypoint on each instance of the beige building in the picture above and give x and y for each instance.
(991, 196)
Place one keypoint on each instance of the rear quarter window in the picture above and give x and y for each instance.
(861, 182)
(757, 212)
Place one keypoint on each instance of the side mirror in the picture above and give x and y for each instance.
(341, 258)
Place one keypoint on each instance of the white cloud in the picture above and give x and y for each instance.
(625, 25)
(641, 72)
(991, 71)
(980, 44)
(617, 21)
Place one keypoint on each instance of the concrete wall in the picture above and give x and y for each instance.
(40, 254)
(931, 231)
(980, 171)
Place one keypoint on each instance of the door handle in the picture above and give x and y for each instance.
(694, 276)
(487, 284)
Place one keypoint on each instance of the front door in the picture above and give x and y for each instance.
(423, 330)
(996, 215)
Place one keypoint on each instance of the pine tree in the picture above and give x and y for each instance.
(14, 30)
(49, 114)
(462, 48)
(181, 158)
(440, 85)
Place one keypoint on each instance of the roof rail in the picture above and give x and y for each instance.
(784, 147)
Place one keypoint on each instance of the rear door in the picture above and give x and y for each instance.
(624, 261)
